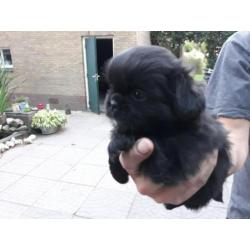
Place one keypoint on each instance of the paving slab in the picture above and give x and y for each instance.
(51, 169)
(85, 174)
(70, 155)
(106, 204)
(21, 164)
(64, 197)
(7, 179)
(9, 210)
(26, 190)
(40, 213)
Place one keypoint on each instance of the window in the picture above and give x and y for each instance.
(5, 58)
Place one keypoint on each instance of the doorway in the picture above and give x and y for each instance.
(104, 49)
(97, 52)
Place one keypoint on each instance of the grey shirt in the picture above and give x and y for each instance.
(228, 95)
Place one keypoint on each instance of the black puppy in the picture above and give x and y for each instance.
(152, 95)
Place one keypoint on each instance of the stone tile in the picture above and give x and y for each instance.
(78, 217)
(97, 133)
(51, 169)
(28, 160)
(61, 138)
(106, 203)
(64, 197)
(70, 155)
(2, 162)
(10, 210)
(40, 213)
(98, 156)
(26, 190)
(108, 182)
(13, 152)
(145, 208)
(85, 174)
(43, 151)
(208, 212)
(6, 179)
(104, 127)
(21, 164)
(87, 141)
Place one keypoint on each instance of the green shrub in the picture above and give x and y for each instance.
(21, 99)
(194, 59)
(48, 118)
(5, 89)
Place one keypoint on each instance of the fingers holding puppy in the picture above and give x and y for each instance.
(131, 160)
(175, 195)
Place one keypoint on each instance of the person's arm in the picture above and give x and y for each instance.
(238, 130)
(238, 133)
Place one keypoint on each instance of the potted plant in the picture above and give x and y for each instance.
(48, 121)
(23, 103)
(21, 109)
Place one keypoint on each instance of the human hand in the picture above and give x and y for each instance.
(175, 195)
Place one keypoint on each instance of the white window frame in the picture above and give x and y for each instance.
(5, 66)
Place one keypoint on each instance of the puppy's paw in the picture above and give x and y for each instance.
(170, 206)
(118, 172)
(121, 177)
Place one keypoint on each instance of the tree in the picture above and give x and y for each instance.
(174, 40)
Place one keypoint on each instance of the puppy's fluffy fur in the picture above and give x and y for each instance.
(152, 95)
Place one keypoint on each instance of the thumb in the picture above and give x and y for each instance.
(131, 160)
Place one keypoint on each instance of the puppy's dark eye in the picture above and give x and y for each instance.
(138, 94)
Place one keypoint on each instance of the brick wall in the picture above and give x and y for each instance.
(49, 65)
(143, 38)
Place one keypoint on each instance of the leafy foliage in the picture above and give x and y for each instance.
(48, 118)
(174, 40)
(5, 89)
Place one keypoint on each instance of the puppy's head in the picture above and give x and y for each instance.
(149, 85)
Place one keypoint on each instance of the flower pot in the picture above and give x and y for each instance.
(48, 131)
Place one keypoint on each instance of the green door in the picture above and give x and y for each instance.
(92, 74)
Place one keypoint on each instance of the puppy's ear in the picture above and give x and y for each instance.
(189, 99)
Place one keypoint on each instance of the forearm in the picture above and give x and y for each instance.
(238, 135)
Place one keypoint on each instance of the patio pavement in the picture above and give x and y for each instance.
(66, 175)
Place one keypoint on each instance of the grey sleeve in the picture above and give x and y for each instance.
(228, 90)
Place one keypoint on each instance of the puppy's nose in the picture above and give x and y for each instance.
(115, 100)
(114, 103)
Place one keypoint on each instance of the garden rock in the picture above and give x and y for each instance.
(13, 129)
(9, 120)
(6, 128)
(22, 128)
(3, 147)
(14, 122)
(10, 144)
(29, 139)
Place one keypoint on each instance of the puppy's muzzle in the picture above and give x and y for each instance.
(115, 101)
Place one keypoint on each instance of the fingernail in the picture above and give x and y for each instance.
(143, 147)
